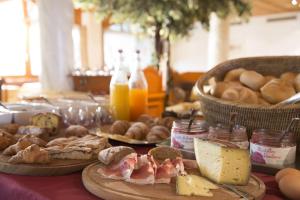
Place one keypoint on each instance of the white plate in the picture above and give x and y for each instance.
(5, 118)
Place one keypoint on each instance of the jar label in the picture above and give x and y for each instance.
(185, 141)
(277, 156)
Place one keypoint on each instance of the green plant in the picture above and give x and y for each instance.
(164, 20)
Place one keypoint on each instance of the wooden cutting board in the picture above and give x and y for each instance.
(116, 189)
(54, 168)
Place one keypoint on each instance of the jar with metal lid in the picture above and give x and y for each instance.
(273, 148)
(237, 135)
(182, 136)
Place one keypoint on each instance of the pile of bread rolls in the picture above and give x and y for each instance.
(250, 87)
(288, 180)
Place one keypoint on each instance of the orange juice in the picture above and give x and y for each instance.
(138, 102)
(119, 101)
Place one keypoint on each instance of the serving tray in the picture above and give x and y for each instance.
(117, 189)
(54, 168)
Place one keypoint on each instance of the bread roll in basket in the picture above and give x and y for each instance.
(217, 110)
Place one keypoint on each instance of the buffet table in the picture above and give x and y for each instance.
(15, 187)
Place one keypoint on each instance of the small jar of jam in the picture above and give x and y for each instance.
(182, 136)
(237, 136)
(273, 148)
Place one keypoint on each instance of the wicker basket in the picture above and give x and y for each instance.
(216, 110)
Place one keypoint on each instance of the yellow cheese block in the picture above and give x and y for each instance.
(194, 185)
(222, 164)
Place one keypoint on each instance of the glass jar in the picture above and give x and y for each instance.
(183, 137)
(273, 148)
(238, 136)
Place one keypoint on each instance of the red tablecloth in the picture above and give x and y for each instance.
(14, 187)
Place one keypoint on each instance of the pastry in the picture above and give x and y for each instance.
(50, 121)
(71, 152)
(31, 154)
(137, 131)
(288, 77)
(23, 143)
(10, 128)
(76, 130)
(276, 91)
(34, 130)
(234, 75)
(114, 154)
(61, 141)
(269, 78)
(6, 139)
(158, 133)
(119, 127)
(147, 119)
(163, 153)
(252, 80)
(297, 83)
(166, 121)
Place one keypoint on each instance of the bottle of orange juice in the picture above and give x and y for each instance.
(119, 91)
(138, 91)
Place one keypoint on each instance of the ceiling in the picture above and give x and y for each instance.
(267, 7)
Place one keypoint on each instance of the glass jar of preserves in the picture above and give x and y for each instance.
(273, 148)
(237, 136)
(182, 136)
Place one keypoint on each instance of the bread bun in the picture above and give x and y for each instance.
(119, 127)
(252, 79)
(76, 130)
(10, 128)
(158, 133)
(114, 154)
(279, 175)
(288, 77)
(163, 153)
(240, 94)
(289, 185)
(297, 83)
(137, 131)
(234, 75)
(269, 78)
(220, 87)
(276, 91)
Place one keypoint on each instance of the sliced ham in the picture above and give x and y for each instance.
(165, 172)
(178, 164)
(121, 170)
(145, 174)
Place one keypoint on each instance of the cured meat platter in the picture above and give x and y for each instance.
(117, 189)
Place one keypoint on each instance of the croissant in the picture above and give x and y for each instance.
(23, 143)
(137, 131)
(31, 154)
(6, 139)
(158, 133)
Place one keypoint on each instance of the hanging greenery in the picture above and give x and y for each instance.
(164, 20)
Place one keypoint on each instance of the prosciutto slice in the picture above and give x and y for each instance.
(121, 170)
(143, 170)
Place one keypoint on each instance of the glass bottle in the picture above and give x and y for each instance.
(138, 91)
(119, 91)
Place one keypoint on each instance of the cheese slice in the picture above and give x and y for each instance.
(222, 164)
(194, 185)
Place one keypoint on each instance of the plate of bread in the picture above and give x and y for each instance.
(146, 130)
(163, 173)
(45, 147)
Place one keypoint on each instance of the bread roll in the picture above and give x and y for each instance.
(137, 131)
(269, 78)
(163, 153)
(288, 77)
(76, 130)
(114, 154)
(158, 133)
(276, 91)
(10, 128)
(297, 83)
(119, 127)
(234, 75)
(240, 94)
(220, 87)
(252, 79)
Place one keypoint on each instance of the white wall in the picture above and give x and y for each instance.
(255, 38)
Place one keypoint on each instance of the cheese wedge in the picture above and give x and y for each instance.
(222, 164)
(194, 185)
